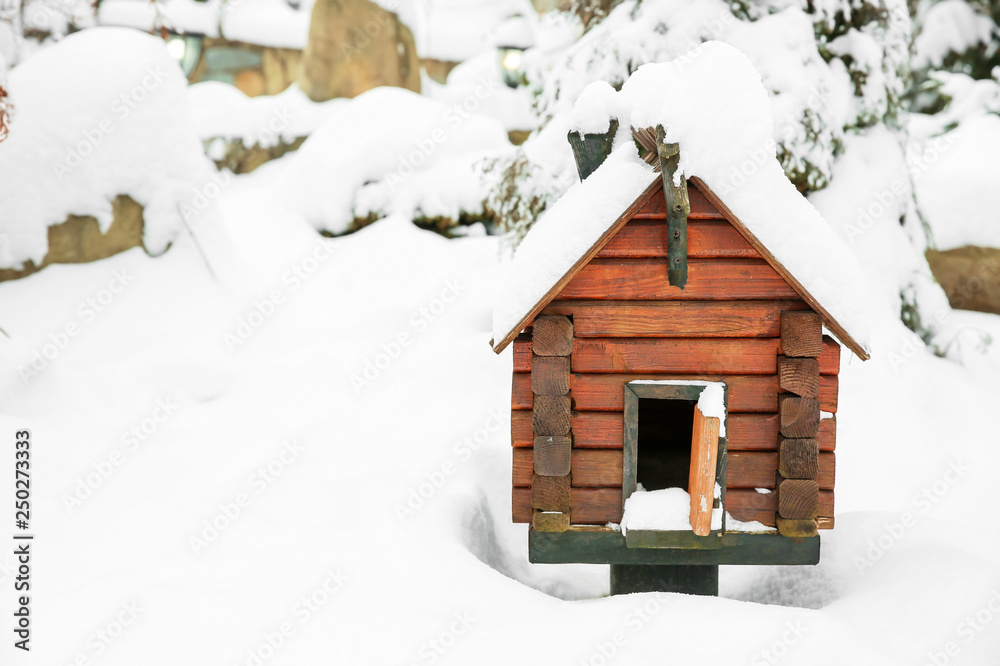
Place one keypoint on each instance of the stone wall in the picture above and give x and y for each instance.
(354, 46)
(970, 276)
(79, 239)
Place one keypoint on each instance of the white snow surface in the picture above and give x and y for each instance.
(419, 159)
(475, 86)
(956, 187)
(712, 403)
(597, 105)
(91, 124)
(666, 509)
(221, 110)
(724, 128)
(262, 22)
(669, 509)
(951, 26)
(435, 421)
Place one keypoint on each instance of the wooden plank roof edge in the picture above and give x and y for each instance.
(608, 234)
(831, 323)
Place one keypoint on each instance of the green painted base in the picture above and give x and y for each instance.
(693, 579)
(606, 546)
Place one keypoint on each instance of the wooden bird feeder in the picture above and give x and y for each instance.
(608, 370)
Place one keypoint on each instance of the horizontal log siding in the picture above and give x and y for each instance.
(629, 324)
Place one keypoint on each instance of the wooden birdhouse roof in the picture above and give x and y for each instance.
(788, 233)
(712, 116)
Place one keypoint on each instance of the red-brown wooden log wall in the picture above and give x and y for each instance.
(629, 323)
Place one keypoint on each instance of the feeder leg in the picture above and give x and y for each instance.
(701, 579)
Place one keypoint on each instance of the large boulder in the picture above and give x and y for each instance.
(970, 276)
(354, 46)
(79, 239)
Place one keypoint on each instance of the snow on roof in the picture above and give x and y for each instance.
(712, 103)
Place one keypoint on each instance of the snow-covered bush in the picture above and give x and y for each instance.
(420, 161)
(518, 191)
(92, 124)
(830, 66)
(953, 36)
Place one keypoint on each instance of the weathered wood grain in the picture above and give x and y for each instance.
(597, 467)
(798, 498)
(522, 353)
(708, 239)
(552, 335)
(799, 376)
(552, 455)
(550, 521)
(520, 505)
(747, 504)
(701, 477)
(679, 319)
(550, 415)
(828, 434)
(590, 429)
(678, 207)
(521, 395)
(793, 528)
(759, 432)
(522, 435)
(831, 323)
(603, 430)
(757, 469)
(747, 393)
(798, 458)
(596, 506)
(708, 279)
(550, 493)
(550, 375)
(801, 333)
(522, 467)
(655, 207)
(752, 356)
(800, 417)
(597, 430)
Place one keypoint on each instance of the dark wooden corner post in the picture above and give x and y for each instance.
(678, 209)
(551, 345)
(798, 447)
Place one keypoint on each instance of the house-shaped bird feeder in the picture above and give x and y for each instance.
(674, 395)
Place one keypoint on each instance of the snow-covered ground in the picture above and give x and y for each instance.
(275, 448)
(306, 461)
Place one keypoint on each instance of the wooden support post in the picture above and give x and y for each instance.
(678, 209)
(701, 579)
